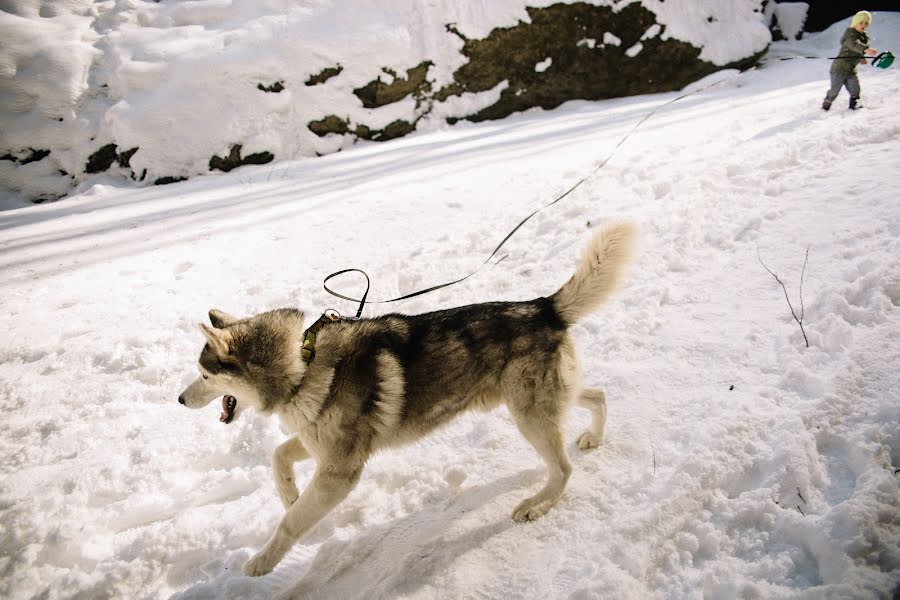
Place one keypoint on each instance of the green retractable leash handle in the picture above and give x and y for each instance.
(883, 60)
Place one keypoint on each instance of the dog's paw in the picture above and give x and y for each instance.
(258, 566)
(528, 510)
(588, 440)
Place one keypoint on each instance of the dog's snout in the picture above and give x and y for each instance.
(181, 399)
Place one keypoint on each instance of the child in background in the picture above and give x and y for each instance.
(854, 48)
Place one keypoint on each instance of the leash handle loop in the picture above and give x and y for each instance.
(362, 301)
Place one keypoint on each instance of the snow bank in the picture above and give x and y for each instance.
(790, 17)
(181, 81)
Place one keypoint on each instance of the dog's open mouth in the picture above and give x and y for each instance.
(229, 403)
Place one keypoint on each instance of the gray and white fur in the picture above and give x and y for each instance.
(386, 381)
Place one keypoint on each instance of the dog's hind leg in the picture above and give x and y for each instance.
(328, 487)
(283, 460)
(595, 401)
(543, 432)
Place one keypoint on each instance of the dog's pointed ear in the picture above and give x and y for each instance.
(217, 338)
(220, 319)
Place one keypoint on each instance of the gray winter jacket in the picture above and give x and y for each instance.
(853, 46)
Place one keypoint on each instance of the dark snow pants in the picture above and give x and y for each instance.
(848, 80)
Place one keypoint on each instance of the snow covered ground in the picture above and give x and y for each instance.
(738, 462)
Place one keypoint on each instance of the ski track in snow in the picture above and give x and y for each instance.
(737, 463)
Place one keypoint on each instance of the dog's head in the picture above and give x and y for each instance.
(252, 362)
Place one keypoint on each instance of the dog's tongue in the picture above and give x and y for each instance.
(228, 405)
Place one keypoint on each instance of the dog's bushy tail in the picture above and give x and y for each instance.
(598, 272)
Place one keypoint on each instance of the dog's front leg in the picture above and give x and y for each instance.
(283, 460)
(328, 487)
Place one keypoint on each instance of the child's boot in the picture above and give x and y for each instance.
(855, 103)
(826, 104)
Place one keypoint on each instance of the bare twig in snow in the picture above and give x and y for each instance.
(786, 296)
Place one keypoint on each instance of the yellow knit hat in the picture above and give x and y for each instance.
(861, 16)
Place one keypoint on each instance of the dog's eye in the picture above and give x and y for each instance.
(205, 376)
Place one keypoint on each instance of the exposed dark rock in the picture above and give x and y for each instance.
(577, 71)
(32, 156)
(258, 158)
(396, 129)
(330, 124)
(274, 88)
(451, 28)
(378, 93)
(334, 124)
(124, 158)
(364, 133)
(35, 156)
(234, 160)
(168, 180)
(324, 75)
(101, 160)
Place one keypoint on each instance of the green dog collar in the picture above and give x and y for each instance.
(308, 349)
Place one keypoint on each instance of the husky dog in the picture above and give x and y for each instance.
(348, 388)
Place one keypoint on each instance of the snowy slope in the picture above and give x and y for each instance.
(738, 462)
(179, 80)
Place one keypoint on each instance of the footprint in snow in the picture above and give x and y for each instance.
(185, 266)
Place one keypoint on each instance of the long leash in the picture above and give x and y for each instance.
(363, 300)
(883, 60)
